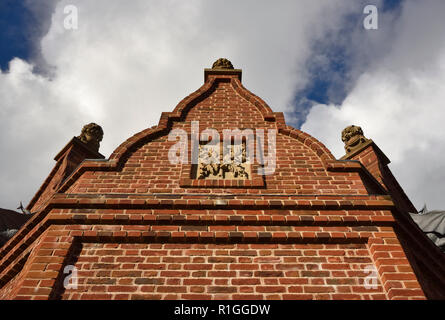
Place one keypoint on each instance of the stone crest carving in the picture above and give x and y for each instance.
(353, 138)
(222, 63)
(91, 135)
(233, 165)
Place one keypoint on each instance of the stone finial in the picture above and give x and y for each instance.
(91, 135)
(353, 138)
(222, 63)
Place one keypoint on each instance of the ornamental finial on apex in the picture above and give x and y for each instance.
(353, 138)
(92, 135)
(222, 63)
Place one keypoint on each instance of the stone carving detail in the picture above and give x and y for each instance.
(222, 63)
(233, 165)
(92, 135)
(353, 138)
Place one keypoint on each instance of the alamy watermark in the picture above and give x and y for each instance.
(371, 281)
(71, 21)
(253, 147)
(70, 281)
(371, 21)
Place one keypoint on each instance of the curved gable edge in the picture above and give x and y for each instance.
(123, 151)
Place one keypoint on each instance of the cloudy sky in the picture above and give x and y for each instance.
(128, 61)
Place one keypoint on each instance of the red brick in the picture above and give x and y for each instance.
(146, 229)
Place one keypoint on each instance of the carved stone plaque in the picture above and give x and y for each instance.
(229, 164)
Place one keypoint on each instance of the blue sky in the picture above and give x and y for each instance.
(22, 24)
(15, 39)
(312, 60)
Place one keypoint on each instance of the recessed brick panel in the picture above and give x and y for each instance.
(222, 271)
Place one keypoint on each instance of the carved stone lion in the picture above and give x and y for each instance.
(222, 63)
(353, 137)
(92, 135)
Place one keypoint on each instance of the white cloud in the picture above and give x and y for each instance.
(130, 60)
(399, 102)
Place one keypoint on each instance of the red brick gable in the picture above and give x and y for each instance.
(141, 165)
(136, 226)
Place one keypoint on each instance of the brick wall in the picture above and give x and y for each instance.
(152, 253)
(66, 161)
(426, 259)
(223, 271)
(136, 226)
